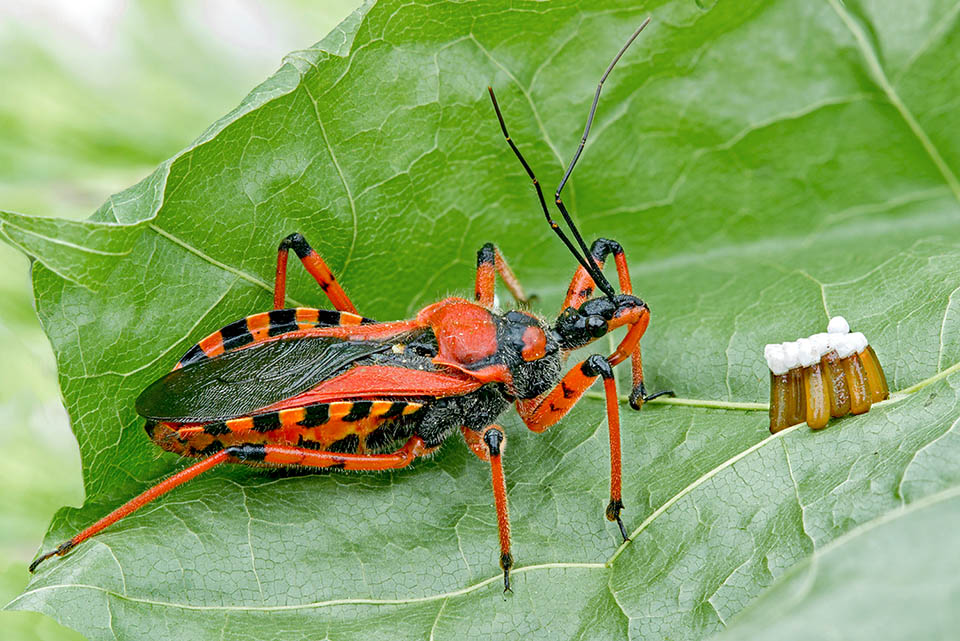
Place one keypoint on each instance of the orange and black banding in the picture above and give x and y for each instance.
(289, 456)
(342, 426)
(262, 327)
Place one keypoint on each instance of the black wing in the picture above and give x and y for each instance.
(240, 382)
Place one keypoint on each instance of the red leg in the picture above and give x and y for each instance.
(544, 411)
(315, 266)
(488, 446)
(278, 455)
(581, 289)
(582, 285)
(490, 262)
(289, 456)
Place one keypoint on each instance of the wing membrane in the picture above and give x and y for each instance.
(240, 382)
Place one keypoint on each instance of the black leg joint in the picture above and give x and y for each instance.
(493, 438)
(297, 243)
(603, 247)
(254, 452)
(487, 255)
(597, 365)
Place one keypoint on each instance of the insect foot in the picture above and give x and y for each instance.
(613, 514)
(639, 396)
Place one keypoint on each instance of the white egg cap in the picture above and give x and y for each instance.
(843, 344)
(859, 341)
(822, 342)
(791, 355)
(776, 360)
(808, 352)
(838, 325)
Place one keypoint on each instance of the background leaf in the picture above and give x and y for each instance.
(766, 165)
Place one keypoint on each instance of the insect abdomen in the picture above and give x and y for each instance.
(345, 426)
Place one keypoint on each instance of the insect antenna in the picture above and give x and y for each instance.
(576, 156)
(589, 265)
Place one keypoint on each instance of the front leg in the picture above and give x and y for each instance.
(581, 289)
(542, 412)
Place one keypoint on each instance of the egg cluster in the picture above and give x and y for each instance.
(830, 374)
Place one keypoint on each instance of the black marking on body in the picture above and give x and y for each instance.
(315, 415)
(214, 447)
(282, 321)
(266, 422)
(396, 409)
(218, 428)
(236, 335)
(349, 443)
(358, 411)
(388, 435)
(308, 444)
(193, 355)
(567, 392)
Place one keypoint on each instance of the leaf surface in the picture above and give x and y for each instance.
(765, 165)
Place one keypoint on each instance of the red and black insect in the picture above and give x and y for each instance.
(312, 388)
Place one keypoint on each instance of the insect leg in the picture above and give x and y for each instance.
(136, 503)
(546, 410)
(289, 456)
(279, 455)
(588, 265)
(315, 266)
(582, 284)
(490, 262)
(581, 289)
(636, 319)
(488, 446)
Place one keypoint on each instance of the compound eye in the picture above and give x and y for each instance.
(596, 326)
(534, 344)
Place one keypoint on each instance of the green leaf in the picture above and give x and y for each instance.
(855, 588)
(765, 165)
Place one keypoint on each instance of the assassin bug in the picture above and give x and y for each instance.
(311, 388)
